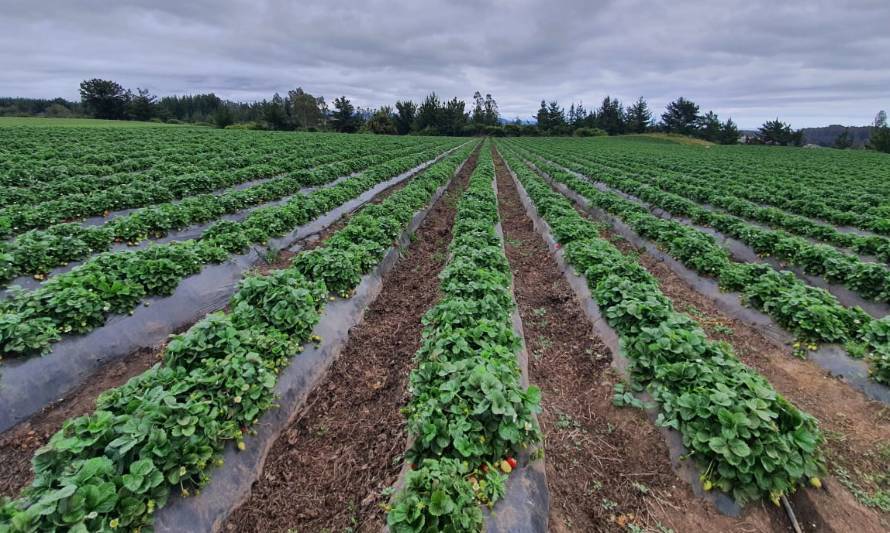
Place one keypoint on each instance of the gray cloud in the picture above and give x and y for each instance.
(810, 63)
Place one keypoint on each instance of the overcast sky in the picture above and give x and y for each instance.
(808, 62)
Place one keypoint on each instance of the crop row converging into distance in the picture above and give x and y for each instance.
(810, 313)
(470, 417)
(165, 429)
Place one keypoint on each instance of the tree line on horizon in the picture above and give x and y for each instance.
(300, 110)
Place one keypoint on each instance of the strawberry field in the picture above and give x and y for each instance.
(232, 330)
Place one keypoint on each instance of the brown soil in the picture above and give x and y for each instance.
(328, 470)
(857, 429)
(18, 444)
(284, 257)
(607, 467)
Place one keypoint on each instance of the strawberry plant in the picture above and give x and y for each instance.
(812, 314)
(468, 409)
(164, 430)
(747, 439)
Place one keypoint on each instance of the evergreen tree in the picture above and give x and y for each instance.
(381, 122)
(142, 105)
(776, 132)
(710, 127)
(343, 119)
(638, 116)
(491, 113)
(556, 118)
(729, 133)
(879, 136)
(406, 113)
(610, 116)
(305, 109)
(274, 113)
(543, 117)
(681, 116)
(429, 115)
(453, 117)
(223, 117)
(104, 98)
(580, 115)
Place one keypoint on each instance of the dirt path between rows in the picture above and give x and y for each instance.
(18, 444)
(607, 467)
(328, 470)
(857, 429)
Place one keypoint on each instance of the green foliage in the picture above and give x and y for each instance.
(749, 440)
(437, 497)
(813, 314)
(780, 133)
(166, 428)
(468, 408)
(879, 136)
(82, 299)
(680, 116)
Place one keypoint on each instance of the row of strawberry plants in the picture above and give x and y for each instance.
(838, 180)
(869, 280)
(468, 413)
(707, 191)
(748, 440)
(165, 429)
(86, 182)
(38, 251)
(141, 192)
(812, 314)
(835, 182)
(285, 158)
(812, 184)
(34, 158)
(82, 299)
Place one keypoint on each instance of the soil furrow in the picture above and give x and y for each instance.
(329, 469)
(857, 429)
(18, 444)
(607, 468)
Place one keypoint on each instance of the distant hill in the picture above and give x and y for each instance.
(826, 135)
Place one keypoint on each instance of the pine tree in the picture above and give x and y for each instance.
(611, 116)
(405, 117)
(638, 116)
(543, 117)
(879, 136)
(775, 132)
(729, 133)
(343, 119)
(681, 116)
(710, 126)
(556, 117)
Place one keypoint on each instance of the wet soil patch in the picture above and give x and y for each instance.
(329, 469)
(607, 467)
